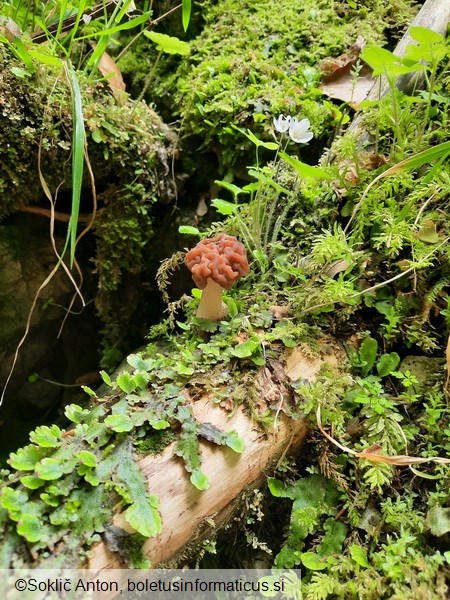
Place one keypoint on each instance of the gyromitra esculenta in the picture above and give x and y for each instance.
(216, 263)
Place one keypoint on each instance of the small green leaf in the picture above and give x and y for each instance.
(119, 423)
(427, 232)
(303, 169)
(235, 442)
(359, 555)
(425, 36)
(313, 562)
(277, 488)
(388, 363)
(13, 500)
(167, 43)
(49, 499)
(368, 355)
(258, 143)
(199, 480)
(89, 391)
(245, 349)
(183, 369)
(186, 13)
(188, 230)
(32, 482)
(379, 60)
(144, 518)
(234, 189)
(141, 380)
(137, 362)
(224, 207)
(106, 378)
(262, 259)
(18, 72)
(30, 528)
(87, 458)
(126, 382)
(97, 136)
(159, 424)
(25, 458)
(46, 437)
(50, 469)
(75, 413)
(91, 477)
(46, 59)
(24, 54)
(438, 520)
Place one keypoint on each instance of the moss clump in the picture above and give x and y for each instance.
(242, 70)
(129, 150)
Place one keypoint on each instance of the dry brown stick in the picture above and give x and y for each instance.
(58, 216)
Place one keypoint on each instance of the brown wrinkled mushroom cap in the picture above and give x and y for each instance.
(222, 259)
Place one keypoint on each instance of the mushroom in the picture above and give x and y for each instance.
(215, 264)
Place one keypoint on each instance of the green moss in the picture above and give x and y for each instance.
(155, 443)
(245, 70)
(129, 151)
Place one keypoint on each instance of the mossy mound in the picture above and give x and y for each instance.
(129, 150)
(264, 62)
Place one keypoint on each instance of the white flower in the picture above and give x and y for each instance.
(283, 123)
(298, 131)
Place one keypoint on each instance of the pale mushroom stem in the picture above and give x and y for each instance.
(211, 306)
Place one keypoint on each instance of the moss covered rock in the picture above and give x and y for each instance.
(129, 150)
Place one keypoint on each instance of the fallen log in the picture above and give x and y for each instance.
(189, 515)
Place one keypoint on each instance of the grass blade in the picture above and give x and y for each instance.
(78, 143)
(186, 8)
(122, 27)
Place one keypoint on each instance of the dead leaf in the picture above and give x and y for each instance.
(333, 67)
(343, 86)
(369, 160)
(110, 71)
(227, 404)
(9, 29)
(337, 267)
(279, 312)
(427, 233)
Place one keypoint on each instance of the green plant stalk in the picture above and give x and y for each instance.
(274, 202)
(430, 85)
(147, 82)
(62, 12)
(115, 18)
(398, 137)
(70, 37)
